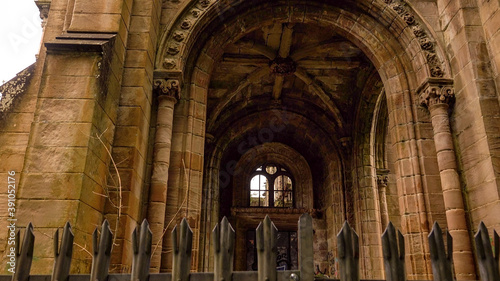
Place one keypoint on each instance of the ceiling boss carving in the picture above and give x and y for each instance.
(283, 66)
(175, 40)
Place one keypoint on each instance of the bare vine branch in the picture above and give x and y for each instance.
(118, 206)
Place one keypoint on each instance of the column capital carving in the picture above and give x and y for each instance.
(382, 180)
(167, 88)
(436, 91)
(43, 7)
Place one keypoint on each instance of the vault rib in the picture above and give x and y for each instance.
(284, 51)
(316, 89)
(230, 94)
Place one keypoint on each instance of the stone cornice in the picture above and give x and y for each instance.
(167, 88)
(436, 91)
(81, 42)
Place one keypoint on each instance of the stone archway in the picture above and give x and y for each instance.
(245, 217)
(195, 44)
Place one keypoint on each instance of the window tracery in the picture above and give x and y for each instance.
(271, 185)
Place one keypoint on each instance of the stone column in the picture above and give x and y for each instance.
(167, 92)
(382, 193)
(436, 96)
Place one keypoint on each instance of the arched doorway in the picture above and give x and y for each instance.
(297, 74)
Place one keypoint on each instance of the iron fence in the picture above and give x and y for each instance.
(223, 240)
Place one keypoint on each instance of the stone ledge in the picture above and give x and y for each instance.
(81, 42)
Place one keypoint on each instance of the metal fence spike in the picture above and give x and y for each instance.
(223, 237)
(62, 255)
(17, 241)
(141, 242)
(102, 253)
(266, 250)
(393, 252)
(306, 249)
(496, 240)
(488, 264)
(95, 245)
(348, 252)
(24, 254)
(442, 260)
(181, 257)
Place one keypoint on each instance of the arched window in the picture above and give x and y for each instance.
(271, 186)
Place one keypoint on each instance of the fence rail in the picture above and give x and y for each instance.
(223, 239)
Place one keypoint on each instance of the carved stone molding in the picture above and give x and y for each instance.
(427, 45)
(435, 92)
(167, 88)
(43, 7)
(12, 90)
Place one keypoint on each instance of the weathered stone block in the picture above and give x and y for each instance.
(71, 65)
(95, 23)
(56, 159)
(57, 110)
(64, 86)
(98, 7)
(12, 158)
(47, 213)
(61, 134)
(18, 123)
(50, 186)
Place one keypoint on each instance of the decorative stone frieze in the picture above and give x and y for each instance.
(169, 88)
(434, 92)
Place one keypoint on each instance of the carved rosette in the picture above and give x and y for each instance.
(167, 88)
(437, 93)
(180, 31)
